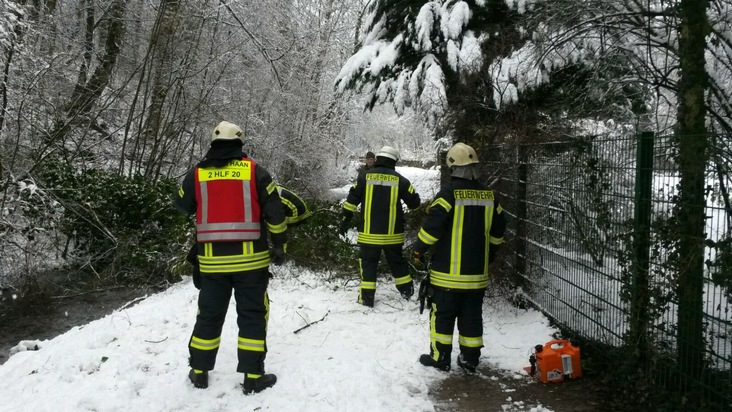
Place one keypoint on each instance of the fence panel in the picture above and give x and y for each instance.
(595, 238)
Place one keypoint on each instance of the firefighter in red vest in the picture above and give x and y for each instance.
(236, 205)
(464, 227)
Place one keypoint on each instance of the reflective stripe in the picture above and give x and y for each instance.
(433, 329)
(247, 191)
(457, 245)
(426, 237)
(377, 239)
(442, 338)
(254, 345)
(237, 267)
(366, 206)
(349, 206)
(393, 204)
(449, 281)
(442, 202)
(227, 236)
(474, 202)
(204, 202)
(205, 344)
(402, 280)
(382, 183)
(471, 342)
(280, 228)
(368, 285)
(289, 205)
(228, 226)
(247, 256)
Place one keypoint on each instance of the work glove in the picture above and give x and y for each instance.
(192, 258)
(196, 277)
(492, 251)
(278, 255)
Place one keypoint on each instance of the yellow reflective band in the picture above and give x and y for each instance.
(496, 240)
(253, 376)
(235, 170)
(402, 280)
(411, 189)
(449, 281)
(180, 192)
(290, 206)
(294, 219)
(426, 237)
(368, 285)
(280, 228)
(349, 206)
(271, 187)
(442, 203)
(470, 342)
(377, 239)
(441, 337)
(456, 243)
(393, 204)
(253, 345)
(367, 208)
(241, 267)
(205, 344)
(243, 258)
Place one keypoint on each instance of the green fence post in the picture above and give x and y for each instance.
(521, 213)
(641, 247)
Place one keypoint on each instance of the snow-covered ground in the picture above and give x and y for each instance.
(328, 352)
(354, 359)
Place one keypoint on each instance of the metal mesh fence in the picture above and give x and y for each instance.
(594, 230)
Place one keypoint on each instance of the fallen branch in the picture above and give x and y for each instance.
(312, 323)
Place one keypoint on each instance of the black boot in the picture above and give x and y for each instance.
(467, 367)
(199, 379)
(366, 299)
(256, 385)
(406, 290)
(427, 360)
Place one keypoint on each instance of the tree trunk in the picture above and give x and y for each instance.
(87, 92)
(162, 42)
(693, 155)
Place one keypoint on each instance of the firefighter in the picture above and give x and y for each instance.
(295, 208)
(236, 205)
(464, 227)
(380, 192)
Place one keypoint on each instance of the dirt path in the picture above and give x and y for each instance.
(495, 391)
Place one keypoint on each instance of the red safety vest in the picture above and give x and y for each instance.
(228, 204)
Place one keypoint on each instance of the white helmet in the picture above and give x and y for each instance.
(227, 131)
(461, 155)
(390, 152)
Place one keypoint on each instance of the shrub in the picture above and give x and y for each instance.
(120, 230)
